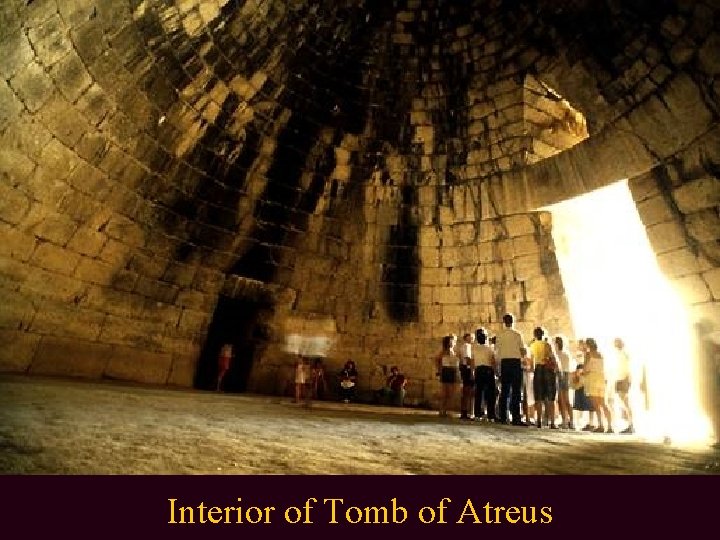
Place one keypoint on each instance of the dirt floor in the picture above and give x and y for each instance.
(71, 427)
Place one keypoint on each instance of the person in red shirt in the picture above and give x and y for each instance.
(396, 383)
(224, 360)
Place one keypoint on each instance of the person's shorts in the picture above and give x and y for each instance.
(563, 381)
(622, 386)
(544, 384)
(448, 375)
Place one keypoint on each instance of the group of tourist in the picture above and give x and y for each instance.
(310, 383)
(505, 381)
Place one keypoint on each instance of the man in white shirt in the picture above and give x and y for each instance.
(622, 382)
(485, 367)
(509, 349)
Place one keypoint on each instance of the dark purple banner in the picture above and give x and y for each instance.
(352, 506)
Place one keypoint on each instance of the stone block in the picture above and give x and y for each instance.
(61, 320)
(434, 276)
(16, 243)
(698, 195)
(130, 364)
(132, 333)
(643, 186)
(454, 314)
(182, 372)
(448, 295)
(49, 40)
(527, 267)
(429, 237)
(114, 252)
(450, 256)
(45, 283)
(679, 262)
(430, 256)
(18, 309)
(94, 271)
(87, 242)
(55, 258)
(17, 53)
(64, 121)
(712, 278)
(486, 252)
(193, 320)
(519, 225)
(666, 237)
(525, 245)
(692, 289)
(10, 106)
(70, 357)
(71, 77)
(709, 55)
(431, 313)
(706, 312)
(14, 204)
(654, 210)
(704, 226)
(17, 350)
(32, 86)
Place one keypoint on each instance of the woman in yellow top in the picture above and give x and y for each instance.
(544, 382)
(594, 376)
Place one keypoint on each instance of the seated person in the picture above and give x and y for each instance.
(348, 381)
(397, 383)
(394, 390)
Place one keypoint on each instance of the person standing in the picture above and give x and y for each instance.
(544, 382)
(564, 383)
(348, 380)
(622, 383)
(224, 361)
(448, 365)
(594, 376)
(467, 374)
(510, 349)
(302, 380)
(485, 367)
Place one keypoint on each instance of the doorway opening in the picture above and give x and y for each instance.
(236, 322)
(615, 288)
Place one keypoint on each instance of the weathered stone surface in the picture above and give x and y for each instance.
(712, 279)
(391, 188)
(17, 349)
(678, 263)
(182, 372)
(70, 357)
(32, 86)
(654, 210)
(698, 195)
(692, 289)
(68, 322)
(55, 258)
(666, 236)
(129, 364)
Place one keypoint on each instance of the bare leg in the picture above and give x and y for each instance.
(550, 407)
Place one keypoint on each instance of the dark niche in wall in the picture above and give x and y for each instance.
(402, 271)
(238, 322)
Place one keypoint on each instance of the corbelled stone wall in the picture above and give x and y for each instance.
(177, 174)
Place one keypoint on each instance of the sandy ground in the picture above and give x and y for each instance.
(70, 427)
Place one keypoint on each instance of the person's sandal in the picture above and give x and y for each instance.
(599, 429)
